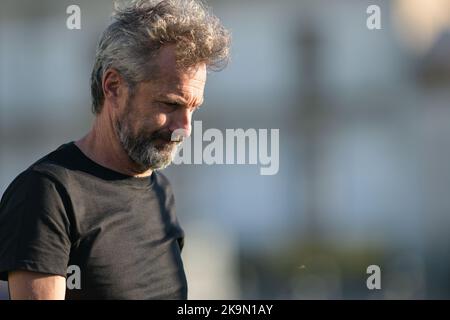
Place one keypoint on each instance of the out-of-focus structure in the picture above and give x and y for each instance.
(364, 120)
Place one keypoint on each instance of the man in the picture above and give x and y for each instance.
(97, 203)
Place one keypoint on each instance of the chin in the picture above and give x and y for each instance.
(161, 159)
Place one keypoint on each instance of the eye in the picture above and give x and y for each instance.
(172, 106)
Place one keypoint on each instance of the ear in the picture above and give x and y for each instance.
(114, 87)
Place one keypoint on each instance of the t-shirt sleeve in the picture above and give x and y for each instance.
(34, 226)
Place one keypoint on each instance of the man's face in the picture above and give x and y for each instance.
(157, 108)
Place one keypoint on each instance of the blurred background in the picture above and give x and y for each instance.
(364, 120)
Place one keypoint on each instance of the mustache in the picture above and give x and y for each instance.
(167, 136)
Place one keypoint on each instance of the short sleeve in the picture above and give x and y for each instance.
(34, 226)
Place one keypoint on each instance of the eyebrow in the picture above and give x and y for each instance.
(180, 100)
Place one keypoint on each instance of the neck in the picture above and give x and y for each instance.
(102, 146)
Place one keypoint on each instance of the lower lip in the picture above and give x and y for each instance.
(164, 142)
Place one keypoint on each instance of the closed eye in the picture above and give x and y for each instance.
(175, 105)
(172, 106)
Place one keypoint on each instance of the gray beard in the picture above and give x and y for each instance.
(142, 149)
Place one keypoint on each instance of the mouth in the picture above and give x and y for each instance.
(165, 140)
(161, 143)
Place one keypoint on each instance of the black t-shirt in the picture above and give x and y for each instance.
(120, 231)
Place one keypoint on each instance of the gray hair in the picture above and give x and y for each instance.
(139, 29)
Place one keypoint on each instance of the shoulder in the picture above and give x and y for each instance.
(54, 166)
(29, 179)
(161, 179)
(162, 183)
(163, 188)
(32, 190)
(45, 176)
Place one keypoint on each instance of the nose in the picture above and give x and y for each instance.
(182, 121)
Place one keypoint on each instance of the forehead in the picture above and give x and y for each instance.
(170, 73)
(192, 79)
(172, 80)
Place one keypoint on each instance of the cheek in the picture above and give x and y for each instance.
(155, 122)
(161, 120)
